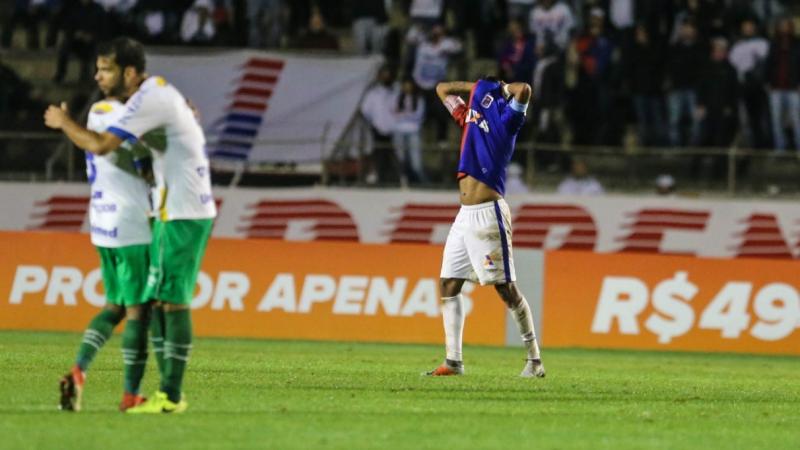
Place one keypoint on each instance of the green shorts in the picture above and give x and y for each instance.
(125, 273)
(177, 251)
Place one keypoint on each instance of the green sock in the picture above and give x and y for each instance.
(134, 353)
(96, 334)
(157, 337)
(177, 343)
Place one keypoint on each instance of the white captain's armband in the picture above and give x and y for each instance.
(517, 106)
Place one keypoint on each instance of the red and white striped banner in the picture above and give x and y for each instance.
(611, 224)
(268, 107)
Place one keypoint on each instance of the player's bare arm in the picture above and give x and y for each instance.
(58, 118)
(447, 88)
(521, 92)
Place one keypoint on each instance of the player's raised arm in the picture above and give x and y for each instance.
(447, 88)
(448, 94)
(58, 118)
(521, 92)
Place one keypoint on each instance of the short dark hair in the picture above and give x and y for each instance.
(126, 52)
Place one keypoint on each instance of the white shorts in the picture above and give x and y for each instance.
(478, 246)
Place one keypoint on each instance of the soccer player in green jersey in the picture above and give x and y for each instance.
(186, 208)
(120, 230)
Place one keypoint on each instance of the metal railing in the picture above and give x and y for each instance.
(47, 156)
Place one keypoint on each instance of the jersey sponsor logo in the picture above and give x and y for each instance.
(112, 233)
(476, 118)
(487, 101)
(102, 108)
(104, 207)
(97, 195)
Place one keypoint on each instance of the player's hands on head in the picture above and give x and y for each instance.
(55, 116)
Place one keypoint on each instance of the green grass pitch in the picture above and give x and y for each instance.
(279, 394)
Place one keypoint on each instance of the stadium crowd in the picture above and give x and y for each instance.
(662, 73)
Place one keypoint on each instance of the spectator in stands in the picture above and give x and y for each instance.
(520, 9)
(378, 108)
(28, 13)
(426, 13)
(394, 41)
(717, 98)
(717, 105)
(783, 76)
(768, 11)
(591, 98)
(702, 13)
(317, 36)
(748, 56)
(552, 19)
(546, 113)
(645, 80)
(579, 181)
(197, 26)
(685, 60)
(657, 16)
(483, 20)
(622, 16)
(266, 23)
(84, 26)
(156, 21)
(119, 14)
(517, 57)
(409, 114)
(16, 99)
(370, 24)
(431, 59)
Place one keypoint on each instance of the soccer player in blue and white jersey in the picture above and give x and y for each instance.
(478, 247)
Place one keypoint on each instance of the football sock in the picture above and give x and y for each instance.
(453, 318)
(96, 334)
(177, 344)
(522, 315)
(134, 353)
(157, 337)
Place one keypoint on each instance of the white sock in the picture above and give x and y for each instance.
(522, 314)
(453, 318)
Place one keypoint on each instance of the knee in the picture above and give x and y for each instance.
(171, 307)
(449, 287)
(117, 311)
(134, 313)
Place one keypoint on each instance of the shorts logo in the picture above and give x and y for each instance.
(488, 264)
(487, 101)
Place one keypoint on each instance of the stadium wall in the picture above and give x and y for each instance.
(334, 270)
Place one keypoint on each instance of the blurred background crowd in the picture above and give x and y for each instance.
(626, 74)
